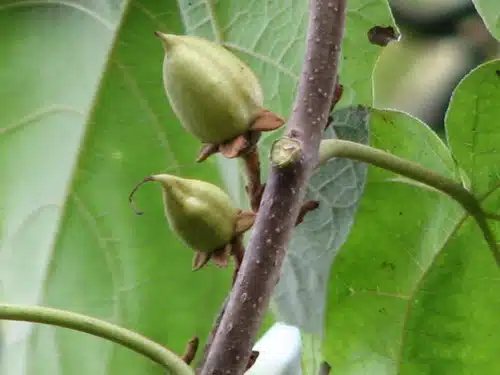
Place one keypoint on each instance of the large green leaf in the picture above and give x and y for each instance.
(471, 127)
(489, 10)
(412, 290)
(453, 312)
(337, 186)
(83, 119)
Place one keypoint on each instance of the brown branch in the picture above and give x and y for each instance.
(307, 207)
(190, 350)
(211, 336)
(283, 195)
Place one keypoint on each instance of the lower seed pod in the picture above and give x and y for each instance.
(202, 215)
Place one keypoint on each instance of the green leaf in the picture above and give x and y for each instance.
(489, 10)
(337, 186)
(471, 127)
(299, 297)
(359, 55)
(452, 315)
(412, 290)
(270, 37)
(84, 119)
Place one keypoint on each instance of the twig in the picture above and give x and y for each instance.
(211, 337)
(337, 95)
(238, 252)
(283, 195)
(100, 328)
(190, 350)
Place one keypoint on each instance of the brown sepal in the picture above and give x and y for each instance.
(207, 150)
(244, 221)
(221, 256)
(235, 147)
(200, 259)
(240, 145)
(267, 121)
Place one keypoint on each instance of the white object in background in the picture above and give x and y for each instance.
(279, 352)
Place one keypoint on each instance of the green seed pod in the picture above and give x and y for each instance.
(213, 93)
(200, 213)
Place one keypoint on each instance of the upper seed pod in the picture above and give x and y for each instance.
(214, 94)
(200, 213)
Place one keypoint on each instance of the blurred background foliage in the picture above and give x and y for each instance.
(441, 41)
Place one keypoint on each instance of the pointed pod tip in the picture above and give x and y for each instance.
(165, 179)
(166, 39)
(200, 259)
(131, 195)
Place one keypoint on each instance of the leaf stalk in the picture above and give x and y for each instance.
(96, 327)
(331, 148)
